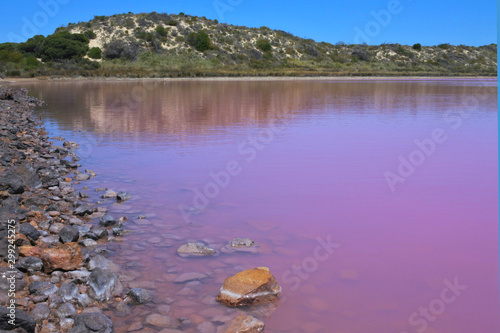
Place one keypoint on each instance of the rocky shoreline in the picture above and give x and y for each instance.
(54, 272)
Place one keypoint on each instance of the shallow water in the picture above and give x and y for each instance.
(309, 163)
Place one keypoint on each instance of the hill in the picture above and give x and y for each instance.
(169, 45)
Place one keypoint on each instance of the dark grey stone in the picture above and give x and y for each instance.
(39, 288)
(103, 284)
(140, 296)
(107, 220)
(122, 196)
(68, 234)
(83, 209)
(66, 310)
(40, 312)
(68, 291)
(29, 264)
(23, 320)
(29, 231)
(93, 322)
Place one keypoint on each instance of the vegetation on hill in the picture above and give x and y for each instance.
(168, 45)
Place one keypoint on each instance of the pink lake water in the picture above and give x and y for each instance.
(310, 163)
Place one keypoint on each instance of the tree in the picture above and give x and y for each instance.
(417, 47)
(64, 45)
(95, 53)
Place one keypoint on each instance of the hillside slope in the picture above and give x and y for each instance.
(182, 45)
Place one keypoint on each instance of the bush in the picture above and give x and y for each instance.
(10, 56)
(444, 46)
(64, 45)
(417, 47)
(172, 23)
(95, 53)
(161, 31)
(90, 34)
(264, 45)
(199, 40)
(33, 45)
(121, 49)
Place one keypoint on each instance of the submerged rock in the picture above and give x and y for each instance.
(244, 324)
(140, 296)
(249, 287)
(160, 321)
(103, 285)
(195, 250)
(241, 245)
(122, 196)
(94, 322)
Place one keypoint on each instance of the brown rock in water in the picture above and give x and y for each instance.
(249, 287)
(65, 256)
(243, 324)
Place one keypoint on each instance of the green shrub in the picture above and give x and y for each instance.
(90, 34)
(417, 47)
(172, 23)
(444, 46)
(64, 45)
(161, 31)
(34, 45)
(95, 53)
(10, 56)
(264, 45)
(199, 40)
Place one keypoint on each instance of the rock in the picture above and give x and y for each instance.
(89, 242)
(69, 234)
(83, 209)
(66, 310)
(122, 196)
(66, 324)
(206, 327)
(23, 320)
(92, 322)
(140, 296)
(109, 194)
(82, 177)
(79, 275)
(103, 285)
(12, 182)
(29, 264)
(243, 324)
(29, 231)
(249, 287)
(186, 277)
(195, 250)
(69, 164)
(40, 312)
(135, 327)
(100, 232)
(6, 273)
(42, 288)
(118, 230)
(84, 300)
(68, 291)
(83, 195)
(241, 245)
(107, 220)
(97, 262)
(160, 321)
(29, 251)
(66, 256)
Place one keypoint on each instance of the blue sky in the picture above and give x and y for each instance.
(429, 22)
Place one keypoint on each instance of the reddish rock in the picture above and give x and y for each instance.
(243, 324)
(249, 287)
(29, 251)
(65, 256)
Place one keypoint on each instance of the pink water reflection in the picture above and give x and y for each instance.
(321, 175)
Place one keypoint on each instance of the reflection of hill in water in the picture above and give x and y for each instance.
(195, 107)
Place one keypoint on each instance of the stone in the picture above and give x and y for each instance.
(186, 277)
(109, 194)
(122, 196)
(249, 287)
(244, 324)
(135, 327)
(79, 275)
(29, 231)
(107, 220)
(97, 262)
(40, 312)
(29, 251)
(195, 250)
(82, 177)
(160, 321)
(66, 310)
(66, 256)
(241, 245)
(100, 232)
(83, 195)
(92, 322)
(66, 324)
(140, 296)
(83, 209)
(68, 291)
(206, 327)
(69, 234)
(29, 264)
(42, 288)
(84, 300)
(23, 320)
(103, 285)
(89, 242)
(6, 272)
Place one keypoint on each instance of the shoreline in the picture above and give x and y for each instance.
(51, 245)
(254, 78)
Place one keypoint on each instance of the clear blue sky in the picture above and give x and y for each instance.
(429, 22)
